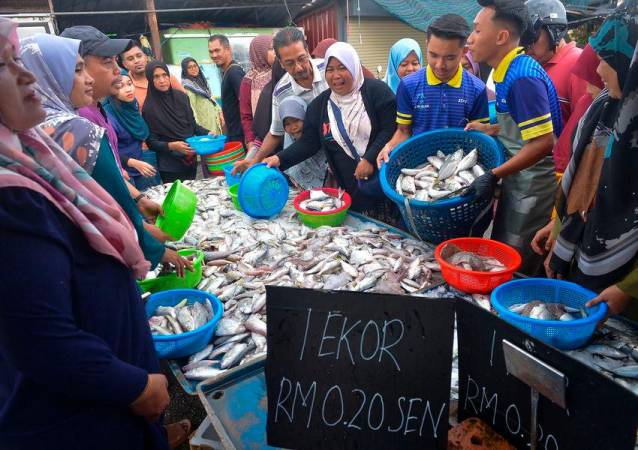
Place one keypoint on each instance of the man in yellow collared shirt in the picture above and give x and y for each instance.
(528, 116)
(441, 95)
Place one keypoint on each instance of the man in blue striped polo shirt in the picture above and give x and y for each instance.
(529, 118)
(441, 95)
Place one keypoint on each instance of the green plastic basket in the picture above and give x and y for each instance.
(171, 280)
(232, 190)
(179, 210)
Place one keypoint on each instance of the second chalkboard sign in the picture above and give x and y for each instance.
(354, 370)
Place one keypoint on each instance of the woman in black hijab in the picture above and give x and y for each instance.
(171, 121)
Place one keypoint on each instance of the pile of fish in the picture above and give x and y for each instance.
(442, 176)
(180, 318)
(537, 309)
(320, 201)
(243, 255)
(456, 256)
(614, 353)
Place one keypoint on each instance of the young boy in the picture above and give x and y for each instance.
(292, 111)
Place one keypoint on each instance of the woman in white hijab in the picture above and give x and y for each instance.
(350, 122)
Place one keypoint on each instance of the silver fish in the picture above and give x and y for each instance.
(468, 161)
(229, 326)
(235, 354)
(255, 325)
(186, 319)
(203, 373)
(201, 355)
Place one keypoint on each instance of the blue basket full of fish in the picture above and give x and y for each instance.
(550, 310)
(207, 144)
(182, 321)
(428, 177)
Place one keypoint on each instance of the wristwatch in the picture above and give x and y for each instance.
(140, 197)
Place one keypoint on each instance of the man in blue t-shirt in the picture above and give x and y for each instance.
(529, 118)
(441, 95)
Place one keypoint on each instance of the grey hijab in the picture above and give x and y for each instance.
(52, 60)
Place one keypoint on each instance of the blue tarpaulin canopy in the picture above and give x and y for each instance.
(420, 13)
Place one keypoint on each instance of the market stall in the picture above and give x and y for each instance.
(242, 255)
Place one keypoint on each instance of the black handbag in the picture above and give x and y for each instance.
(372, 186)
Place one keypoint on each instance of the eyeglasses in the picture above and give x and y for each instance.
(303, 59)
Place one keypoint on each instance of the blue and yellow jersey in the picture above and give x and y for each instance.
(425, 103)
(526, 93)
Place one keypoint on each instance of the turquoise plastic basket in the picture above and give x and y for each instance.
(184, 344)
(566, 335)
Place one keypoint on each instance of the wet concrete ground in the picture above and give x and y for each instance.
(182, 406)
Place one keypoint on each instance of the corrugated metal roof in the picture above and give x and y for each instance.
(230, 13)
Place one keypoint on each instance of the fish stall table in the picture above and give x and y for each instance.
(237, 249)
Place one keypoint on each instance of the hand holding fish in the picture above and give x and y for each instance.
(272, 161)
(171, 257)
(154, 400)
(543, 240)
(364, 170)
(616, 299)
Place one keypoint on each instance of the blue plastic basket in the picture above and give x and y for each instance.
(566, 335)
(185, 344)
(263, 191)
(230, 178)
(444, 219)
(207, 144)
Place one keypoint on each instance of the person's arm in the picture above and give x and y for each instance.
(246, 111)
(529, 107)
(38, 333)
(480, 111)
(620, 295)
(404, 111)
(268, 146)
(106, 173)
(385, 105)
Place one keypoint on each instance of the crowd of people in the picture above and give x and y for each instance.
(86, 122)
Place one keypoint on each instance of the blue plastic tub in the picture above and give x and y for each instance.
(439, 221)
(263, 191)
(230, 178)
(566, 335)
(207, 144)
(185, 344)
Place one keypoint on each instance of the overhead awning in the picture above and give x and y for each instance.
(420, 13)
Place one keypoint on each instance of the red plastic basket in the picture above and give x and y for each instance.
(479, 282)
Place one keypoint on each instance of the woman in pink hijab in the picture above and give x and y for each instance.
(261, 56)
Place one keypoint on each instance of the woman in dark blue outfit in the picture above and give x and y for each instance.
(77, 365)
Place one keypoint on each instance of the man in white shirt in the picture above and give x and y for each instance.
(303, 78)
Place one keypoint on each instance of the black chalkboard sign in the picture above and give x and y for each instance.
(600, 414)
(354, 370)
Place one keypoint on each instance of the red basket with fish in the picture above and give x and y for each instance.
(476, 265)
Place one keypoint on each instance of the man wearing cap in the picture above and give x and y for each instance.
(99, 54)
(443, 94)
